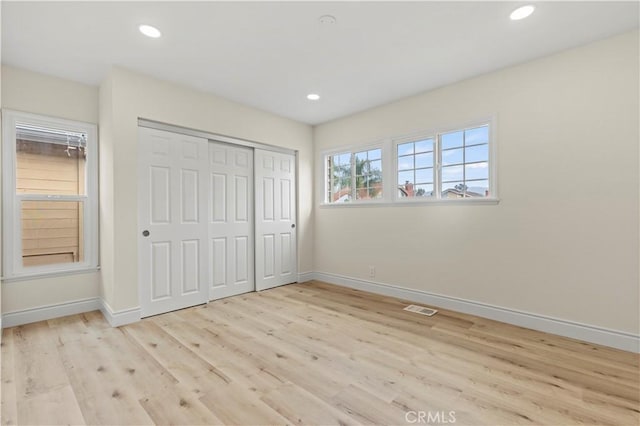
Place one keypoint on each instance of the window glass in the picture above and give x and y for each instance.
(50, 168)
(52, 211)
(357, 174)
(453, 164)
(452, 156)
(340, 178)
(465, 163)
(52, 232)
(452, 140)
(415, 166)
(368, 169)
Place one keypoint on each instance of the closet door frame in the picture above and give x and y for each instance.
(216, 138)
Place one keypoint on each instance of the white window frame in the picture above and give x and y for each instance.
(436, 173)
(437, 181)
(11, 201)
(389, 147)
(352, 151)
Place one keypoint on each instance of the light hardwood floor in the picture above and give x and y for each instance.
(310, 354)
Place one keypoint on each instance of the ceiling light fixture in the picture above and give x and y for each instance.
(327, 19)
(313, 96)
(522, 12)
(150, 31)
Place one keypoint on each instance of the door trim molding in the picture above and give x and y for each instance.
(214, 137)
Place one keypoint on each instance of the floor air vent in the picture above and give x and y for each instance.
(421, 310)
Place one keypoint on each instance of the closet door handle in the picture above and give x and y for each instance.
(293, 225)
(145, 233)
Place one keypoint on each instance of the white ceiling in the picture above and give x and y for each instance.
(270, 55)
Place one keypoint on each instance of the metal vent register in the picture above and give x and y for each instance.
(421, 310)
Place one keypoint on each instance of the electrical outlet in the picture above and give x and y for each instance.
(372, 271)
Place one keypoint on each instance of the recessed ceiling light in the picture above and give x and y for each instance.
(327, 19)
(313, 96)
(150, 31)
(522, 12)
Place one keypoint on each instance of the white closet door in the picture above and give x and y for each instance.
(276, 248)
(172, 245)
(230, 220)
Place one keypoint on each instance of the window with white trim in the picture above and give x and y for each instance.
(449, 165)
(416, 171)
(465, 163)
(49, 195)
(355, 175)
(441, 165)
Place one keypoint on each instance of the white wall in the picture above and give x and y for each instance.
(1, 273)
(106, 177)
(563, 241)
(134, 96)
(37, 93)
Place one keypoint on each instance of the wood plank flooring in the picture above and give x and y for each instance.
(310, 354)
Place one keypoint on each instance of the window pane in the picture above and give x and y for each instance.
(424, 160)
(405, 148)
(476, 136)
(452, 156)
(375, 154)
(361, 157)
(476, 153)
(368, 174)
(424, 175)
(342, 159)
(476, 171)
(478, 188)
(405, 163)
(341, 175)
(52, 232)
(423, 191)
(424, 146)
(368, 188)
(453, 190)
(376, 166)
(44, 167)
(375, 192)
(451, 140)
(404, 177)
(361, 181)
(451, 174)
(340, 178)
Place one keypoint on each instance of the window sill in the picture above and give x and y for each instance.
(49, 274)
(402, 203)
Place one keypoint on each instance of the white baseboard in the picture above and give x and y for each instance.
(303, 277)
(42, 313)
(589, 333)
(116, 319)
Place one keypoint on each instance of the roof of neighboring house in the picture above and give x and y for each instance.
(461, 193)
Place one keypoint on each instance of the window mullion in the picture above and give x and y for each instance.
(354, 191)
(438, 167)
(50, 197)
(464, 161)
(328, 193)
